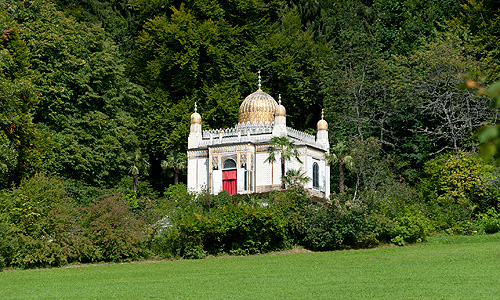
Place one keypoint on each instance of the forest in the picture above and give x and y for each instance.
(95, 105)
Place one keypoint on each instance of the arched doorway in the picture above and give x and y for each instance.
(229, 176)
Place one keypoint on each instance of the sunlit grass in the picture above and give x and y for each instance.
(443, 268)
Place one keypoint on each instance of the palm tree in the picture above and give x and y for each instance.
(286, 148)
(339, 155)
(294, 178)
(138, 163)
(175, 161)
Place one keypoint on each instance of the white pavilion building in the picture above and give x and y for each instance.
(234, 159)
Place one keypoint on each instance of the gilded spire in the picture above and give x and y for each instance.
(259, 80)
(322, 124)
(195, 117)
(280, 109)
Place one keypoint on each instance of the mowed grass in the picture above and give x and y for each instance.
(443, 268)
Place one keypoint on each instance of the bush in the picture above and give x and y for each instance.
(490, 221)
(214, 224)
(456, 187)
(108, 230)
(410, 227)
(465, 227)
(37, 216)
(338, 225)
(5, 248)
(41, 227)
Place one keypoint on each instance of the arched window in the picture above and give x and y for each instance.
(315, 175)
(229, 164)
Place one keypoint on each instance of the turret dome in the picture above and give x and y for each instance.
(280, 109)
(322, 124)
(195, 117)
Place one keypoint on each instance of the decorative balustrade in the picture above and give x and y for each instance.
(239, 129)
(300, 136)
(246, 132)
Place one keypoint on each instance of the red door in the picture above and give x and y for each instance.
(229, 181)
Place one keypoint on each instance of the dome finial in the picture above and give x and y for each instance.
(322, 124)
(280, 109)
(195, 117)
(259, 80)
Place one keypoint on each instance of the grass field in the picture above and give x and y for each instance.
(442, 268)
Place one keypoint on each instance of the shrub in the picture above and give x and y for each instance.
(337, 225)
(410, 227)
(109, 231)
(292, 205)
(465, 227)
(456, 186)
(490, 221)
(213, 224)
(37, 217)
(176, 196)
(233, 228)
(5, 248)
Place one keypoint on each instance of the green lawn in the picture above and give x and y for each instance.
(443, 268)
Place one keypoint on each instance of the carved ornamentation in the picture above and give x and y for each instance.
(215, 162)
(243, 160)
(231, 156)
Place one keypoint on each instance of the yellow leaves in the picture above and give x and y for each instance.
(459, 179)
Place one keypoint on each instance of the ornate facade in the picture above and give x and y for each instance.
(234, 159)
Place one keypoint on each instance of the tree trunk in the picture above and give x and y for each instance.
(135, 177)
(176, 176)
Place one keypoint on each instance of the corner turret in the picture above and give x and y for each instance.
(322, 133)
(279, 128)
(195, 136)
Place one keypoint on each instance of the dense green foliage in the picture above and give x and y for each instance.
(42, 226)
(95, 100)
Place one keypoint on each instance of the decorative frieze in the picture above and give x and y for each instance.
(231, 149)
(197, 154)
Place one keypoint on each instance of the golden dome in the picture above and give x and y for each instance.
(257, 107)
(195, 117)
(322, 124)
(280, 109)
